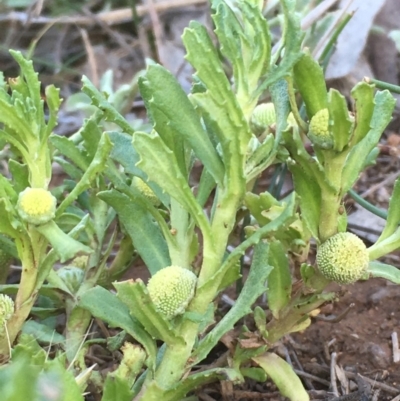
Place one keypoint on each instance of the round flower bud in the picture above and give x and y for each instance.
(263, 116)
(36, 206)
(343, 258)
(319, 130)
(146, 191)
(6, 310)
(171, 289)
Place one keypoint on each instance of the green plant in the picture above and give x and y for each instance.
(142, 180)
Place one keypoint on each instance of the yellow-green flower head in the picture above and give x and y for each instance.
(6, 310)
(146, 191)
(171, 289)
(343, 258)
(36, 206)
(263, 117)
(319, 130)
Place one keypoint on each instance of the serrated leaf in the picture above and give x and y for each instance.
(341, 122)
(252, 289)
(164, 97)
(107, 307)
(70, 150)
(283, 375)
(218, 101)
(363, 94)
(97, 165)
(292, 38)
(99, 100)
(138, 222)
(135, 296)
(279, 280)
(384, 105)
(245, 41)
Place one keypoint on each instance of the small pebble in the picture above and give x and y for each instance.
(379, 356)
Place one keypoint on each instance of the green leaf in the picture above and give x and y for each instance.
(115, 388)
(393, 218)
(280, 98)
(53, 101)
(107, 307)
(279, 280)
(17, 380)
(161, 166)
(293, 37)
(58, 380)
(123, 152)
(283, 375)
(310, 197)
(195, 380)
(97, 165)
(256, 374)
(110, 113)
(383, 270)
(42, 333)
(363, 94)
(384, 105)
(70, 150)
(64, 245)
(164, 97)
(20, 175)
(309, 78)
(135, 296)
(218, 102)
(339, 117)
(138, 222)
(245, 40)
(258, 204)
(252, 289)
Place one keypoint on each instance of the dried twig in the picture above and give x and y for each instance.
(113, 17)
(333, 374)
(395, 347)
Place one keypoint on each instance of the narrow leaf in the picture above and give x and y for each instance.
(138, 222)
(279, 280)
(252, 289)
(107, 307)
(283, 375)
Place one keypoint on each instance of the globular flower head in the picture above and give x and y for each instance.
(6, 310)
(171, 289)
(263, 116)
(146, 191)
(319, 130)
(343, 258)
(36, 206)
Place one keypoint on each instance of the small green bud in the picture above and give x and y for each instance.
(343, 258)
(262, 118)
(171, 289)
(6, 310)
(146, 191)
(72, 276)
(319, 130)
(36, 206)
